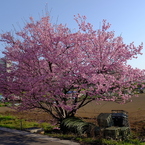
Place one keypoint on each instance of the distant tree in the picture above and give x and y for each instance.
(58, 71)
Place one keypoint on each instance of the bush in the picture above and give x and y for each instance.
(77, 126)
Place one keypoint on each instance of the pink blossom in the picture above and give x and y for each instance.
(45, 62)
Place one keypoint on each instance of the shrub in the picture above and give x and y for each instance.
(77, 126)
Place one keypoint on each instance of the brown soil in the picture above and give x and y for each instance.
(35, 115)
(135, 109)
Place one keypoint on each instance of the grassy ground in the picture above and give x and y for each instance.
(36, 118)
(16, 122)
(13, 122)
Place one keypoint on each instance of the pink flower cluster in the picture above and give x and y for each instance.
(46, 61)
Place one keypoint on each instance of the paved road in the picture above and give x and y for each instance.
(22, 138)
(7, 138)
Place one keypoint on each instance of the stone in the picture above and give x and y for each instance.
(35, 130)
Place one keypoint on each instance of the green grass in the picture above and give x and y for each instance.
(3, 104)
(94, 141)
(128, 142)
(15, 123)
(8, 117)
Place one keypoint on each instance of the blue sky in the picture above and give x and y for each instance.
(126, 16)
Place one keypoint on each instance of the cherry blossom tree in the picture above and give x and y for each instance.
(59, 71)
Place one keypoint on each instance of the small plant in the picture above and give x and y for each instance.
(77, 126)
